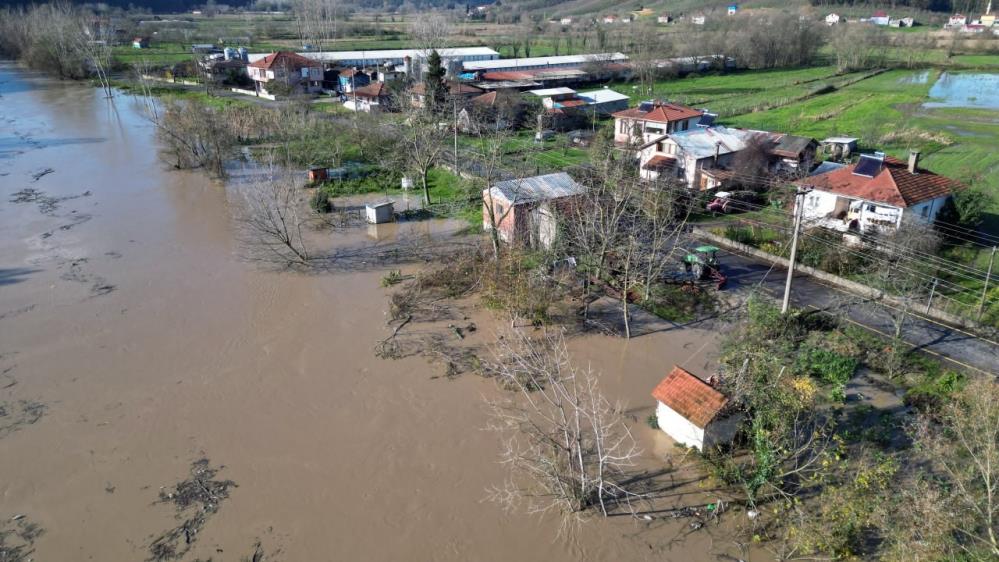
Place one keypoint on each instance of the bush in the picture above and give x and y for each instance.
(934, 390)
(320, 201)
(827, 366)
(653, 421)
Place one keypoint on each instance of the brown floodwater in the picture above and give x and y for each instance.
(128, 315)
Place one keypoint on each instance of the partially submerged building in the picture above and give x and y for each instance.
(692, 412)
(527, 211)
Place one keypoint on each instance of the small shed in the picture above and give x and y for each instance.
(692, 412)
(318, 174)
(380, 212)
(839, 147)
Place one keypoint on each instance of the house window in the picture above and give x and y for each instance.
(660, 146)
(686, 124)
(925, 211)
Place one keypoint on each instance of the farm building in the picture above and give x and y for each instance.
(692, 412)
(526, 211)
(875, 194)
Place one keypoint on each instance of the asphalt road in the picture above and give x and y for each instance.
(955, 346)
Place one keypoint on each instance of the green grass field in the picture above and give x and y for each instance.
(886, 112)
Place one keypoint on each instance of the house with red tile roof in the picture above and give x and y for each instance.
(285, 72)
(692, 412)
(455, 91)
(653, 119)
(372, 98)
(875, 194)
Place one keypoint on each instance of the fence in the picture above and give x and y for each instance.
(931, 309)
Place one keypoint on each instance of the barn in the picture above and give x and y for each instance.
(692, 412)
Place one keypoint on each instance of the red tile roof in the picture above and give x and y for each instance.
(690, 397)
(893, 185)
(488, 99)
(454, 89)
(285, 58)
(660, 163)
(661, 112)
(372, 90)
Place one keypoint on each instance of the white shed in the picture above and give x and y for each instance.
(378, 213)
(692, 412)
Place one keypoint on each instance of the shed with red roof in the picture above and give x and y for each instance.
(692, 412)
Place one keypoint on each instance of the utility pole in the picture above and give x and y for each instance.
(985, 289)
(455, 102)
(799, 207)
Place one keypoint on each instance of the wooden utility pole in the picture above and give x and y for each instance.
(985, 289)
(799, 207)
(455, 101)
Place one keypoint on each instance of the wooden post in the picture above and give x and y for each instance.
(933, 290)
(985, 289)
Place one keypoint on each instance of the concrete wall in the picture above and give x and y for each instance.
(846, 284)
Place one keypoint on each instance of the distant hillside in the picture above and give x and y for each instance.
(594, 7)
(158, 6)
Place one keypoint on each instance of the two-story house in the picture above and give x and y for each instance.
(691, 156)
(652, 119)
(285, 73)
(875, 194)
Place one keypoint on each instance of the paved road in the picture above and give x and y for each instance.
(954, 345)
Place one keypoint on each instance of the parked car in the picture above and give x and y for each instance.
(732, 201)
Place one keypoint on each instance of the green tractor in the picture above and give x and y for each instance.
(702, 264)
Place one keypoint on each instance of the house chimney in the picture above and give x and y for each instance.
(913, 161)
(717, 151)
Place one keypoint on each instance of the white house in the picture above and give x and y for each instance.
(565, 21)
(833, 19)
(691, 156)
(875, 194)
(292, 71)
(652, 119)
(957, 20)
(880, 18)
(697, 20)
(664, 19)
(692, 412)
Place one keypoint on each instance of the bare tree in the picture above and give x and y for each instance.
(422, 142)
(94, 41)
(272, 220)
(962, 445)
(317, 22)
(430, 31)
(568, 448)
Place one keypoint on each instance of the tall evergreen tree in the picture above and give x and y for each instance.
(433, 79)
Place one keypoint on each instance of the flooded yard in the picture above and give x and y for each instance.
(967, 90)
(162, 395)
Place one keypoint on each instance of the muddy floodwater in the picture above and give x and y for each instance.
(135, 342)
(973, 90)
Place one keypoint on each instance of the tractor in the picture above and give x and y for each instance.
(702, 264)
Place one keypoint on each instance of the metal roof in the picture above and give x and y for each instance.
(602, 96)
(552, 92)
(537, 188)
(535, 62)
(840, 140)
(701, 143)
(333, 56)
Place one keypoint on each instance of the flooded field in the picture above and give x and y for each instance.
(971, 90)
(162, 397)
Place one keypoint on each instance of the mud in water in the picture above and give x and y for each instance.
(136, 342)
